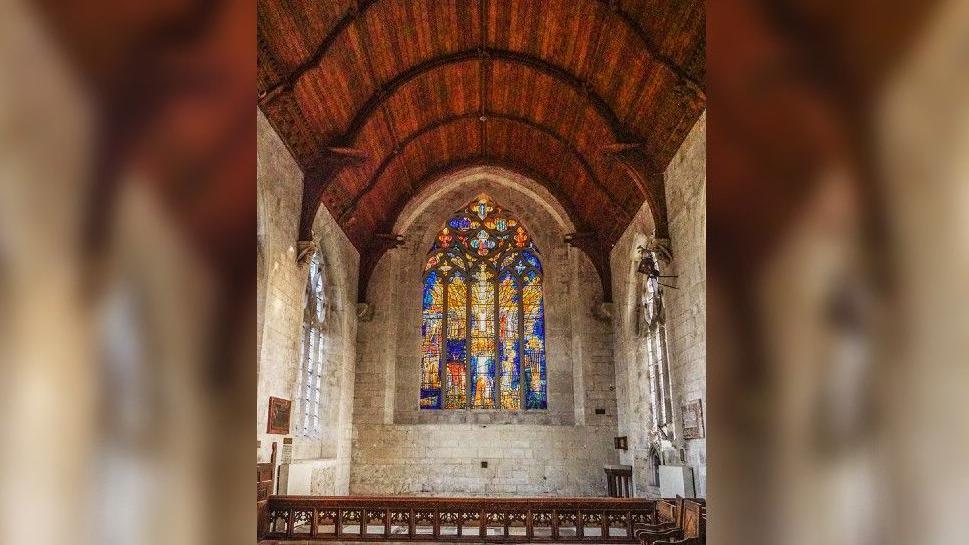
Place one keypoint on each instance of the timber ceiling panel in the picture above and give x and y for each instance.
(412, 32)
(515, 90)
(675, 30)
(297, 27)
(558, 31)
(376, 98)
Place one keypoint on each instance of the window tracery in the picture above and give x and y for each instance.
(483, 321)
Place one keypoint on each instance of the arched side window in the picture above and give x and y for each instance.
(652, 327)
(312, 345)
(483, 320)
(654, 463)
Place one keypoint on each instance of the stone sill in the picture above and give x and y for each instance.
(319, 461)
(486, 417)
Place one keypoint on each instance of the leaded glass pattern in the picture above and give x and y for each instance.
(455, 357)
(509, 340)
(312, 345)
(483, 321)
(653, 329)
(432, 335)
(534, 341)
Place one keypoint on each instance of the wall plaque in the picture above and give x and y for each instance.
(693, 420)
(279, 412)
(287, 454)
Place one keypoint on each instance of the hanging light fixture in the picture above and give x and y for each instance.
(649, 266)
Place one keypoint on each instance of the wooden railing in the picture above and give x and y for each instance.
(593, 520)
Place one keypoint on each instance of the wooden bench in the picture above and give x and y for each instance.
(264, 489)
(665, 517)
(689, 527)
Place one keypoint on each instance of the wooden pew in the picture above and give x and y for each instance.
(691, 530)
(264, 489)
(665, 517)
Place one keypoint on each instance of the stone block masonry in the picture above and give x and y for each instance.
(445, 460)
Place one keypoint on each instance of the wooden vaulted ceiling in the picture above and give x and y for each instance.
(376, 98)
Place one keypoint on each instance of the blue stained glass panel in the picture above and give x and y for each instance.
(455, 366)
(533, 352)
(483, 341)
(531, 260)
(509, 337)
(431, 335)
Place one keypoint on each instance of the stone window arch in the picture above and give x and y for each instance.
(654, 462)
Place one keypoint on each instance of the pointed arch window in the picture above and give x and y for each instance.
(652, 327)
(312, 345)
(483, 315)
(654, 463)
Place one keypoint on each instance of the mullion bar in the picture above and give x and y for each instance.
(496, 371)
(664, 346)
(467, 338)
(441, 375)
(521, 342)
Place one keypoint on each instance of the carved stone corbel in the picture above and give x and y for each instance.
(304, 251)
(647, 176)
(603, 312)
(365, 312)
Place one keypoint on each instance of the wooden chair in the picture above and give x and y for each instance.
(264, 488)
(666, 517)
(692, 532)
(667, 512)
(619, 479)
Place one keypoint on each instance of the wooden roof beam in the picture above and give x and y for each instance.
(583, 161)
(317, 177)
(377, 100)
(540, 65)
(643, 172)
(359, 9)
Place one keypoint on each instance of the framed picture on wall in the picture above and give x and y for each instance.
(279, 413)
(693, 420)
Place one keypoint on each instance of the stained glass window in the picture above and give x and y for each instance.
(483, 317)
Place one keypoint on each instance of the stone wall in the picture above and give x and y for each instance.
(401, 449)
(632, 379)
(685, 309)
(686, 306)
(446, 460)
(281, 297)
